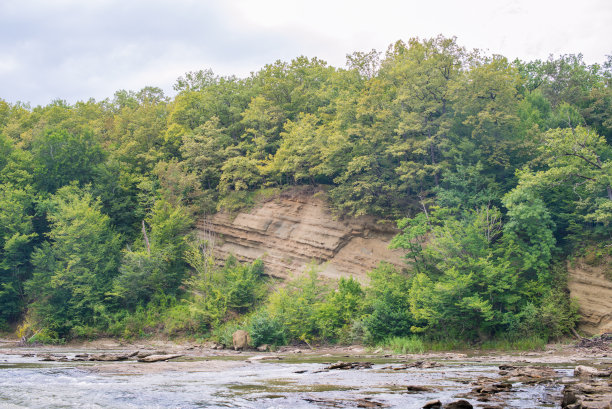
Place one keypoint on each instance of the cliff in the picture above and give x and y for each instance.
(593, 291)
(293, 230)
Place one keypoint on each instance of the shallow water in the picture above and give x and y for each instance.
(25, 382)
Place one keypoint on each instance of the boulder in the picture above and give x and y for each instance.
(241, 339)
(583, 371)
(460, 404)
(417, 388)
(433, 404)
(263, 348)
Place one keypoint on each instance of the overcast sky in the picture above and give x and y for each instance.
(81, 49)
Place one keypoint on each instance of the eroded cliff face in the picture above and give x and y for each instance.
(593, 291)
(291, 231)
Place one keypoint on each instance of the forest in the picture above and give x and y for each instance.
(498, 173)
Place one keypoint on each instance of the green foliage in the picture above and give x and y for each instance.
(74, 269)
(61, 157)
(156, 266)
(388, 305)
(218, 292)
(266, 329)
(16, 237)
(504, 168)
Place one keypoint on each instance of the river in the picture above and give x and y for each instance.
(295, 381)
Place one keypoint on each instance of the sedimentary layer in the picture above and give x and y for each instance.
(593, 291)
(293, 231)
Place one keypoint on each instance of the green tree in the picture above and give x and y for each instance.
(75, 268)
(155, 264)
(16, 237)
(61, 157)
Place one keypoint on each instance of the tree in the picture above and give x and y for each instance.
(157, 267)
(581, 159)
(75, 268)
(61, 157)
(16, 236)
(205, 151)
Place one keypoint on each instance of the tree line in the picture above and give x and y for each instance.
(498, 172)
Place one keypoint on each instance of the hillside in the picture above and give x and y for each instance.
(491, 173)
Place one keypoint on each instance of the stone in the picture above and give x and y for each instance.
(417, 388)
(433, 404)
(263, 348)
(583, 371)
(241, 340)
(158, 358)
(460, 404)
(569, 397)
(350, 365)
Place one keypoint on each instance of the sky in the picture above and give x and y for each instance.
(75, 50)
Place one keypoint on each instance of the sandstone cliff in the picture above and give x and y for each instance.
(593, 291)
(293, 230)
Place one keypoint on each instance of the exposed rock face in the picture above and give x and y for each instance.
(291, 231)
(593, 291)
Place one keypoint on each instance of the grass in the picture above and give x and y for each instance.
(418, 345)
(405, 345)
(522, 344)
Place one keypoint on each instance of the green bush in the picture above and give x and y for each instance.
(266, 329)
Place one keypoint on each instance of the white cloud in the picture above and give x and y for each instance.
(74, 49)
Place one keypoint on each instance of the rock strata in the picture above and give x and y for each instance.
(293, 230)
(589, 285)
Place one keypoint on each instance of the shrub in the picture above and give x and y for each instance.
(266, 329)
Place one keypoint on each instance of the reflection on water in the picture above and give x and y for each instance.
(27, 383)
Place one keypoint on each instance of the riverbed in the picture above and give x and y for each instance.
(204, 378)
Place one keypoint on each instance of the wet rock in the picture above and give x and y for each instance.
(590, 393)
(158, 358)
(460, 404)
(585, 371)
(112, 357)
(602, 342)
(52, 358)
(341, 403)
(143, 354)
(527, 374)
(569, 397)
(423, 364)
(368, 403)
(81, 357)
(350, 365)
(417, 388)
(240, 340)
(492, 388)
(433, 404)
